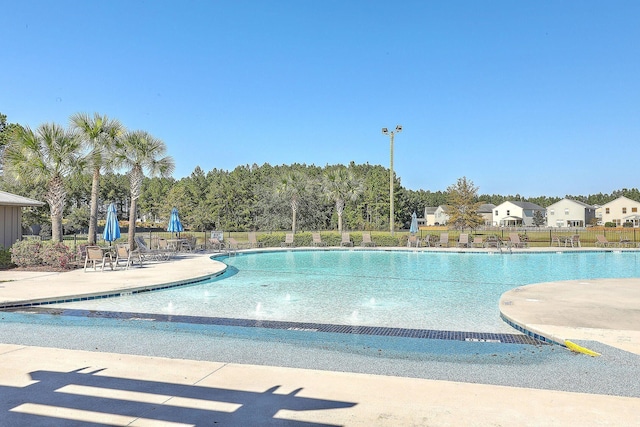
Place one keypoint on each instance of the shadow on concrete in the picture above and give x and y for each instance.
(59, 398)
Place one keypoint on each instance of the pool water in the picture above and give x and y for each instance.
(420, 290)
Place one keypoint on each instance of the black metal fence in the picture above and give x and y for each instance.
(538, 237)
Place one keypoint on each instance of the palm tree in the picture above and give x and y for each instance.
(46, 156)
(340, 185)
(138, 152)
(99, 134)
(292, 186)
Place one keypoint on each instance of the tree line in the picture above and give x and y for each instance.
(80, 169)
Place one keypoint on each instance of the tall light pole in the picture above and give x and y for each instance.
(391, 134)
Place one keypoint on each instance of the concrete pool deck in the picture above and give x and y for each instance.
(41, 385)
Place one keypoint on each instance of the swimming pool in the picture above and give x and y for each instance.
(422, 290)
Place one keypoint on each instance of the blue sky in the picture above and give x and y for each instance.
(535, 98)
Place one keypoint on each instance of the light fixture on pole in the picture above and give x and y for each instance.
(391, 134)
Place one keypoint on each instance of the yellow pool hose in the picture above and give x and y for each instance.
(579, 349)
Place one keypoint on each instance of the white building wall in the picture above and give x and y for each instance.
(566, 213)
(617, 209)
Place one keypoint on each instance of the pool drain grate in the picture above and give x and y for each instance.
(487, 337)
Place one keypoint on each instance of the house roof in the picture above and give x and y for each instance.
(430, 210)
(527, 205)
(486, 208)
(622, 198)
(577, 202)
(8, 199)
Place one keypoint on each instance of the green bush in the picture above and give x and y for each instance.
(609, 224)
(57, 255)
(26, 253)
(330, 238)
(32, 253)
(388, 240)
(5, 258)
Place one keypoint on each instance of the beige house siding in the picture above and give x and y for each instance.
(621, 210)
(429, 216)
(10, 225)
(441, 217)
(11, 217)
(515, 214)
(569, 213)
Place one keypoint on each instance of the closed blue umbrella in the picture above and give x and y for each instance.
(414, 224)
(112, 227)
(175, 226)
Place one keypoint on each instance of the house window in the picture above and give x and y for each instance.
(508, 213)
(624, 210)
(566, 211)
(606, 210)
(496, 213)
(634, 209)
(551, 212)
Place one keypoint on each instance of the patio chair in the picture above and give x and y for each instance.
(215, 244)
(288, 240)
(515, 242)
(163, 246)
(555, 239)
(366, 240)
(444, 240)
(188, 244)
(79, 256)
(233, 244)
(317, 240)
(429, 240)
(478, 242)
(149, 254)
(602, 241)
(96, 255)
(123, 254)
(492, 241)
(413, 241)
(463, 240)
(625, 242)
(346, 240)
(575, 241)
(253, 241)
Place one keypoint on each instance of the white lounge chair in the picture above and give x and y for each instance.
(346, 240)
(150, 254)
(514, 241)
(216, 244)
(366, 240)
(288, 240)
(444, 240)
(253, 240)
(316, 240)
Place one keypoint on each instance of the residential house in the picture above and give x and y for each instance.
(515, 214)
(620, 211)
(486, 212)
(570, 213)
(11, 217)
(429, 216)
(441, 215)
